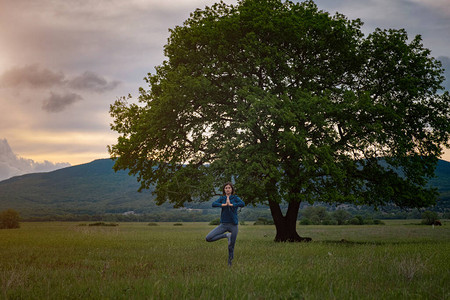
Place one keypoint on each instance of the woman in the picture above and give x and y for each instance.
(228, 227)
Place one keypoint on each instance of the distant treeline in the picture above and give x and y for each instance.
(157, 217)
(247, 214)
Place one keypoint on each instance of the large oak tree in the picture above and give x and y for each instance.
(293, 105)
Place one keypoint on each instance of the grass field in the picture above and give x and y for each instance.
(137, 261)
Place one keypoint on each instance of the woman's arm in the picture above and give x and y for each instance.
(238, 202)
(218, 202)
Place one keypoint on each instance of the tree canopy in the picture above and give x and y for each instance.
(292, 104)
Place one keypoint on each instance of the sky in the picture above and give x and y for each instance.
(62, 63)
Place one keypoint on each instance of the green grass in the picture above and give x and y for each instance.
(137, 261)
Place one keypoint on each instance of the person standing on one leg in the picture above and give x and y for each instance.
(228, 227)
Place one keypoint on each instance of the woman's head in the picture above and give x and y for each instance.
(227, 186)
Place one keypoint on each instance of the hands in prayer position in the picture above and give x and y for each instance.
(227, 203)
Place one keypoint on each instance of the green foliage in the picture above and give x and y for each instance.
(368, 221)
(9, 219)
(360, 219)
(263, 221)
(292, 103)
(316, 100)
(215, 221)
(329, 221)
(178, 224)
(152, 224)
(252, 214)
(356, 221)
(305, 221)
(318, 215)
(315, 220)
(429, 217)
(378, 222)
(341, 216)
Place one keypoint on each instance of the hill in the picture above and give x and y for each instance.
(94, 188)
(442, 183)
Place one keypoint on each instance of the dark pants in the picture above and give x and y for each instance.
(219, 233)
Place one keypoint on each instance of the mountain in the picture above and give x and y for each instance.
(12, 165)
(94, 188)
(442, 182)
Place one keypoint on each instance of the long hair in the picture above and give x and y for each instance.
(230, 184)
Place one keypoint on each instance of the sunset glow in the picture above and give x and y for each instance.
(62, 64)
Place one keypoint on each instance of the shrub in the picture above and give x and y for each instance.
(9, 219)
(329, 221)
(341, 216)
(360, 219)
(368, 221)
(263, 221)
(177, 224)
(305, 221)
(215, 222)
(152, 224)
(429, 217)
(354, 221)
(317, 214)
(103, 224)
(315, 219)
(378, 222)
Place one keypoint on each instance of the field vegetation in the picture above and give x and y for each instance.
(57, 260)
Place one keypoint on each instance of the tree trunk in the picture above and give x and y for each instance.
(286, 225)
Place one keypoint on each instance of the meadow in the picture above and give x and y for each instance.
(136, 261)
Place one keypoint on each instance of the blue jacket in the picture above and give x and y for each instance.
(229, 213)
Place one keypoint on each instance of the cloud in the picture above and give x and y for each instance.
(445, 60)
(429, 18)
(440, 6)
(93, 82)
(57, 102)
(12, 165)
(32, 76)
(34, 79)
